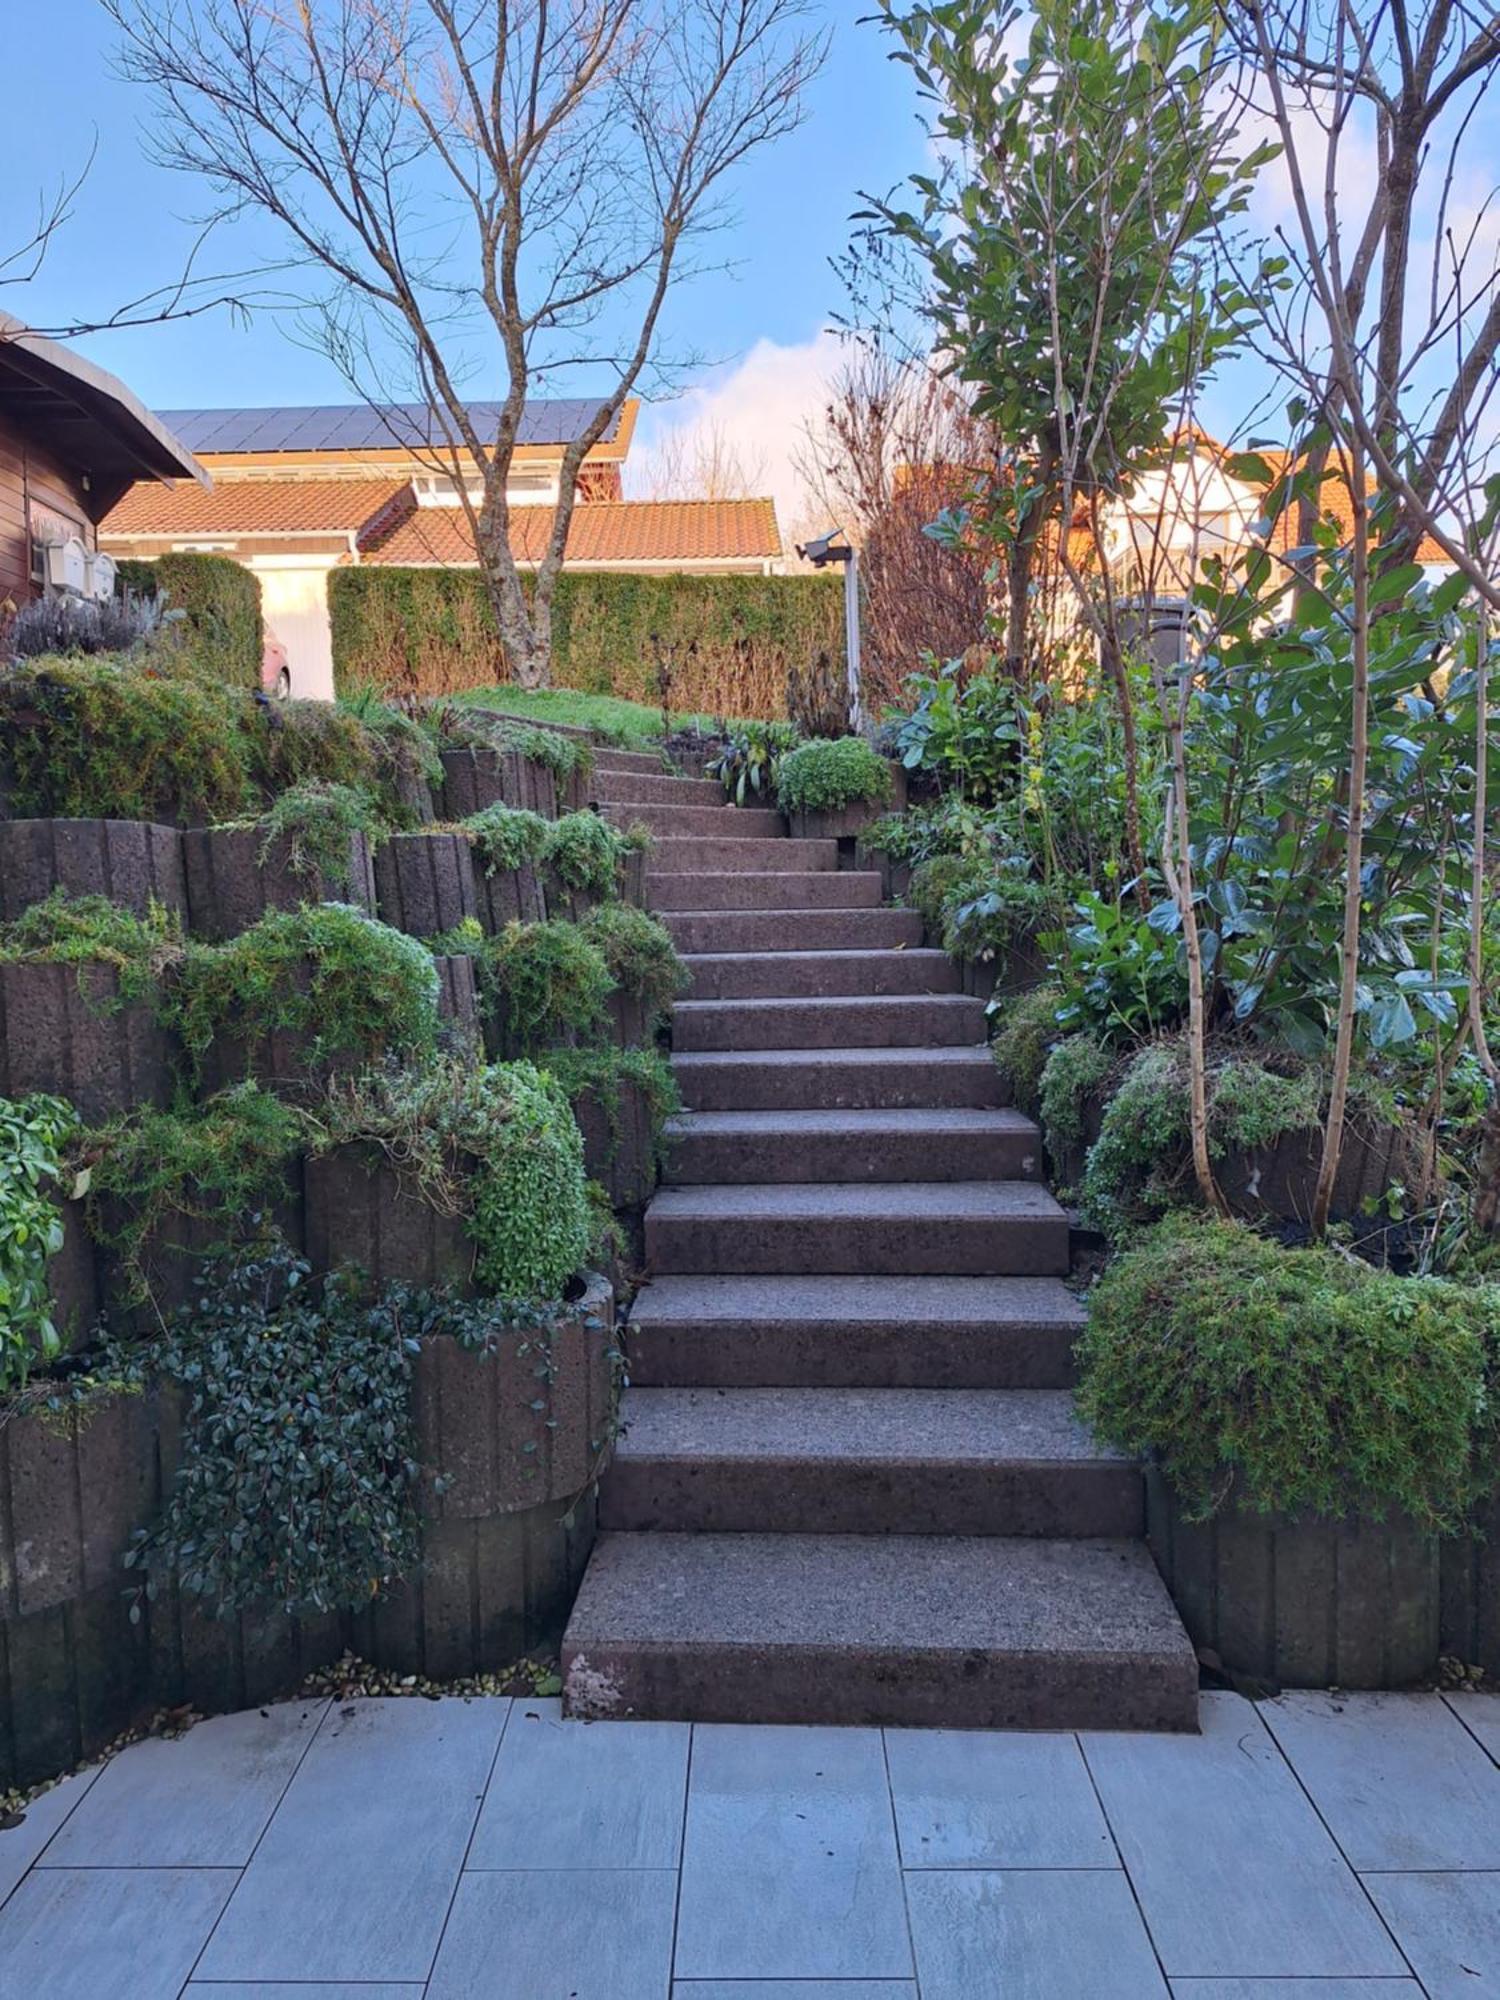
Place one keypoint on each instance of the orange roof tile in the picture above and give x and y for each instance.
(614, 531)
(252, 507)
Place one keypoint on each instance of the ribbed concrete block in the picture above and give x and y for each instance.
(838, 1079)
(741, 931)
(361, 1211)
(618, 1144)
(174, 1255)
(810, 975)
(64, 1030)
(828, 889)
(852, 1332)
(957, 1144)
(834, 1021)
(866, 1462)
(474, 779)
(696, 853)
(688, 822)
(872, 1629)
(425, 882)
(130, 861)
(458, 1004)
(510, 896)
(632, 788)
(946, 1228)
(234, 876)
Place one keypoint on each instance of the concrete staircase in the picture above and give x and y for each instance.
(852, 1486)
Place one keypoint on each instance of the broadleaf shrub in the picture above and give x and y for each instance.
(826, 774)
(34, 1135)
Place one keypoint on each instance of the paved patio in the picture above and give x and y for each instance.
(1313, 1848)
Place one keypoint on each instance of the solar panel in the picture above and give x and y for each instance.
(357, 427)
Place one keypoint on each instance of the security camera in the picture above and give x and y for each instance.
(821, 552)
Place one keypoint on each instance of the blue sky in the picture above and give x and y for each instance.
(131, 231)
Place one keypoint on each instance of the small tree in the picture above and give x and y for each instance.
(493, 188)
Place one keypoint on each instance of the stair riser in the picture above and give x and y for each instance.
(787, 1355)
(632, 761)
(644, 788)
(709, 1159)
(788, 976)
(894, 1086)
(895, 1689)
(817, 1246)
(829, 889)
(846, 1497)
(687, 822)
(794, 930)
(699, 853)
(900, 1023)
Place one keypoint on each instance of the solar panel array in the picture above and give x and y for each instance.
(361, 427)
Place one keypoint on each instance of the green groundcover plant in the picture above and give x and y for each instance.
(91, 930)
(638, 954)
(317, 823)
(548, 981)
(585, 852)
(507, 837)
(1298, 1380)
(605, 1074)
(34, 1136)
(827, 774)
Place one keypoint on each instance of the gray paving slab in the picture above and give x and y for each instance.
(108, 1933)
(1296, 1989)
(201, 1801)
(966, 1799)
(1399, 1780)
(21, 1844)
(794, 1989)
(573, 1795)
(353, 1878)
(280, 1990)
(1480, 1714)
(1071, 1934)
(1449, 1927)
(596, 1934)
(790, 1868)
(1236, 1874)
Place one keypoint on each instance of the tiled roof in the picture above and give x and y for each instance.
(1336, 504)
(253, 507)
(614, 531)
(358, 427)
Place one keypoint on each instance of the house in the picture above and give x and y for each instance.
(73, 441)
(299, 492)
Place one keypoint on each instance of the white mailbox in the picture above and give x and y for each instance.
(99, 575)
(67, 566)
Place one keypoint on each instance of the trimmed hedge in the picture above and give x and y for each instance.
(220, 600)
(732, 638)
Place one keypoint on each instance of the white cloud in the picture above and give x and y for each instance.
(758, 405)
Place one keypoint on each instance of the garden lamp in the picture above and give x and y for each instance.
(820, 554)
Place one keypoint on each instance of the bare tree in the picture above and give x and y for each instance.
(702, 462)
(493, 188)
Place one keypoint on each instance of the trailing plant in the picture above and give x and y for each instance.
(747, 762)
(1294, 1381)
(91, 930)
(638, 954)
(1075, 1072)
(548, 981)
(34, 1137)
(494, 1144)
(220, 1167)
(352, 986)
(466, 939)
(458, 725)
(825, 775)
(585, 852)
(110, 739)
(605, 1074)
(314, 741)
(506, 837)
(1026, 1032)
(317, 823)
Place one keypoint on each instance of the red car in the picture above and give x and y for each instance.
(275, 673)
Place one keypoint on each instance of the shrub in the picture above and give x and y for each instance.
(1300, 1380)
(103, 739)
(223, 1164)
(1074, 1072)
(549, 980)
(91, 930)
(749, 757)
(317, 822)
(327, 971)
(638, 953)
(496, 1145)
(1123, 976)
(824, 775)
(506, 837)
(34, 1134)
(584, 851)
(219, 601)
(79, 625)
(1024, 1039)
(314, 741)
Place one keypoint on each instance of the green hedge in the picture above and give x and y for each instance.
(221, 601)
(430, 631)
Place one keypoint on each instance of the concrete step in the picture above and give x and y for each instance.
(838, 1079)
(784, 931)
(957, 1144)
(962, 1229)
(799, 975)
(683, 822)
(698, 853)
(615, 761)
(866, 1462)
(836, 1021)
(844, 1332)
(656, 788)
(799, 889)
(984, 1632)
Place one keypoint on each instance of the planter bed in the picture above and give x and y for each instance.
(510, 896)
(132, 862)
(424, 883)
(361, 1212)
(234, 878)
(623, 1161)
(173, 1255)
(474, 779)
(63, 1030)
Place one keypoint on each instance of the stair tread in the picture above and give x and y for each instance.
(871, 1004)
(686, 1299)
(958, 1118)
(926, 1595)
(904, 1201)
(909, 954)
(974, 1056)
(888, 1427)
